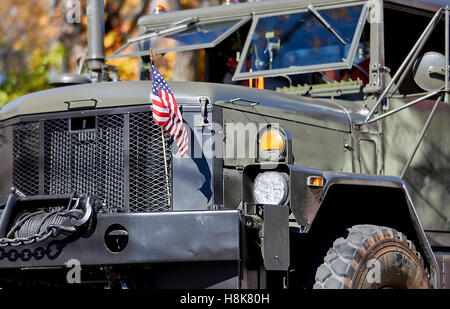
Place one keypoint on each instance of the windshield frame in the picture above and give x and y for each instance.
(303, 69)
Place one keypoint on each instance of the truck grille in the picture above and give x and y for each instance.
(118, 158)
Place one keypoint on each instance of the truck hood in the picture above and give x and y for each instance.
(332, 114)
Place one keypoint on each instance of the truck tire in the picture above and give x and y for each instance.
(372, 257)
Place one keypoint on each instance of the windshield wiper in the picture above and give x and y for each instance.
(173, 28)
(313, 11)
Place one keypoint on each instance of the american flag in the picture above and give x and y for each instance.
(166, 112)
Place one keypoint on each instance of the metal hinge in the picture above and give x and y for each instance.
(204, 101)
(376, 69)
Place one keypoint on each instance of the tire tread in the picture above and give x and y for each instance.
(344, 256)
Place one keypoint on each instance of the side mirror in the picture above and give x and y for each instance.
(429, 71)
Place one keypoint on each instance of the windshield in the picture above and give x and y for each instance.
(300, 42)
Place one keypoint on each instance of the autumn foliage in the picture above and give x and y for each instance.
(37, 39)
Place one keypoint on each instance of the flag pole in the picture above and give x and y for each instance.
(164, 149)
(165, 165)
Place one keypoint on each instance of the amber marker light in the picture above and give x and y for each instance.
(272, 140)
(315, 181)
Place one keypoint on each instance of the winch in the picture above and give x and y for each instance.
(38, 218)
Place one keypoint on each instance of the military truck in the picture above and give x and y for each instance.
(318, 154)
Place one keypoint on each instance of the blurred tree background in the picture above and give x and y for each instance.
(36, 39)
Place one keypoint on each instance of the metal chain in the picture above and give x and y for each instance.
(50, 231)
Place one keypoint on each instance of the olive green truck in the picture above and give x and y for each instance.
(319, 154)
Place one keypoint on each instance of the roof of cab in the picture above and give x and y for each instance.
(234, 11)
(270, 6)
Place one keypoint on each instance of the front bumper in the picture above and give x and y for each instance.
(191, 236)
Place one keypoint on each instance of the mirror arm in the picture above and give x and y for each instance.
(429, 95)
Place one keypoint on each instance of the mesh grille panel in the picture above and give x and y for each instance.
(26, 158)
(96, 161)
(90, 162)
(148, 188)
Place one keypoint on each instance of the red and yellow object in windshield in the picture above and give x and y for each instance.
(259, 83)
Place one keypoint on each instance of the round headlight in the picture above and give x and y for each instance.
(270, 188)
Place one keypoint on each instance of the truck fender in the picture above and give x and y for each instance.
(349, 200)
